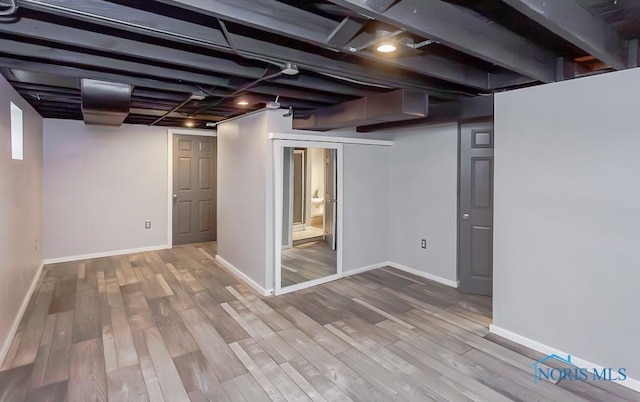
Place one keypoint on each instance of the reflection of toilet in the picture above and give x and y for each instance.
(317, 206)
(317, 211)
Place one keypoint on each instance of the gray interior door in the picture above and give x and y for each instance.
(331, 197)
(194, 189)
(475, 227)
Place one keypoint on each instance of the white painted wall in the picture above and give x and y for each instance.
(242, 189)
(366, 206)
(20, 212)
(100, 185)
(423, 179)
(566, 201)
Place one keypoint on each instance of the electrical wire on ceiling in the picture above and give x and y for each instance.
(354, 81)
(264, 77)
(227, 38)
(175, 109)
(12, 7)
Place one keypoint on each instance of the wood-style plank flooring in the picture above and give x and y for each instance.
(307, 261)
(175, 326)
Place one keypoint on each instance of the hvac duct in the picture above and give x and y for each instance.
(398, 105)
(105, 103)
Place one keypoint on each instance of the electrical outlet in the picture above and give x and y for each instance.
(36, 245)
(147, 224)
(423, 243)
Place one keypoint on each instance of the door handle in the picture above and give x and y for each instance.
(175, 197)
(466, 217)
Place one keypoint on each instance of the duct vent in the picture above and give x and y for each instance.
(105, 103)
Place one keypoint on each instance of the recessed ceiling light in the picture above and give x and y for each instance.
(242, 103)
(189, 123)
(386, 48)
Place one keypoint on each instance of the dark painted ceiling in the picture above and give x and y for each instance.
(193, 60)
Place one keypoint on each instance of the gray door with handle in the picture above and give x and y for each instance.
(194, 189)
(475, 220)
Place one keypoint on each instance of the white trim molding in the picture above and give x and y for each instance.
(242, 276)
(361, 270)
(630, 383)
(308, 284)
(105, 254)
(422, 274)
(16, 322)
(326, 138)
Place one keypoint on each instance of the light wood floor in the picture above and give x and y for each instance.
(308, 261)
(174, 325)
(309, 232)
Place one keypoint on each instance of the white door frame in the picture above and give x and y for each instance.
(300, 225)
(278, 157)
(170, 133)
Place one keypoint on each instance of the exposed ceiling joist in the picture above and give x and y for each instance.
(344, 32)
(219, 50)
(577, 25)
(471, 34)
(436, 67)
(96, 41)
(148, 23)
(300, 99)
(267, 14)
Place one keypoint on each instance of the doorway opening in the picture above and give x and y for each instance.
(308, 208)
(308, 203)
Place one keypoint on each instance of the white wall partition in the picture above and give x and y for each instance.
(242, 187)
(566, 200)
(20, 211)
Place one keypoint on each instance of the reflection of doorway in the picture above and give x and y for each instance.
(308, 195)
(194, 189)
(307, 214)
(299, 181)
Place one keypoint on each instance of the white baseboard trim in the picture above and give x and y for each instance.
(547, 350)
(105, 254)
(16, 322)
(242, 276)
(365, 269)
(422, 274)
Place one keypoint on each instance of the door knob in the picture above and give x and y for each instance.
(175, 197)
(465, 217)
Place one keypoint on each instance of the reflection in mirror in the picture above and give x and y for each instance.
(309, 215)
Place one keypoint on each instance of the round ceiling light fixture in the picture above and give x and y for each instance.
(386, 47)
(242, 103)
(189, 123)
